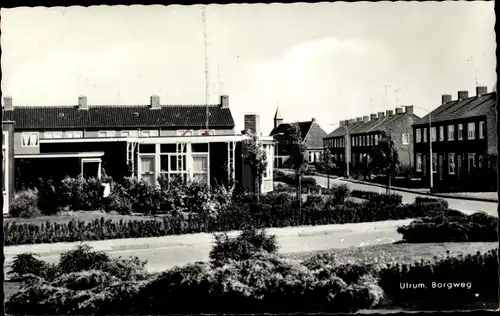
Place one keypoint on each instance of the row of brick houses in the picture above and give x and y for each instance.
(363, 134)
(143, 140)
(463, 133)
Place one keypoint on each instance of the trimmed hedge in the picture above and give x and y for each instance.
(451, 227)
(378, 198)
(281, 213)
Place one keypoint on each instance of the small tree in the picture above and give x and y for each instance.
(298, 151)
(327, 164)
(385, 159)
(255, 157)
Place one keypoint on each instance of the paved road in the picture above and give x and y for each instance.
(180, 250)
(465, 206)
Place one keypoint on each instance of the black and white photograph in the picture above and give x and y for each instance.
(275, 158)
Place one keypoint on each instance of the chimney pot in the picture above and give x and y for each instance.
(366, 119)
(445, 98)
(7, 104)
(409, 109)
(399, 111)
(224, 101)
(373, 116)
(252, 123)
(389, 112)
(463, 95)
(313, 119)
(381, 114)
(82, 103)
(359, 119)
(154, 102)
(481, 90)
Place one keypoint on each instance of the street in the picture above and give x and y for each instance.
(179, 250)
(466, 206)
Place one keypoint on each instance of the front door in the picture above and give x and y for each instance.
(91, 168)
(148, 169)
(5, 172)
(200, 168)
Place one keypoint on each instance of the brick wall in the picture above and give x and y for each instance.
(397, 128)
(252, 123)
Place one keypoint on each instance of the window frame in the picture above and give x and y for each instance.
(441, 133)
(407, 137)
(451, 163)
(419, 162)
(30, 133)
(451, 132)
(424, 135)
(434, 162)
(471, 132)
(482, 124)
(460, 131)
(433, 134)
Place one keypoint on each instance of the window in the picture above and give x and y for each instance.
(460, 132)
(441, 133)
(472, 162)
(419, 162)
(58, 134)
(481, 130)
(30, 139)
(451, 132)
(78, 134)
(200, 168)
(425, 135)
(480, 163)
(151, 133)
(405, 139)
(434, 163)
(133, 133)
(48, 135)
(471, 130)
(376, 139)
(110, 133)
(124, 133)
(433, 134)
(268, 173)
(451, 163)
(419, 135)
(102, 134)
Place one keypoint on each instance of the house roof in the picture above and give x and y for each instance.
(470, 107)
(310, 132)
(119, 116)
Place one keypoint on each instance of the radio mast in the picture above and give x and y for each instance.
(206, 68)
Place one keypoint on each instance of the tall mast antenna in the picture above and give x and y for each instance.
(386, 87)
(206, 67)
(397, 96)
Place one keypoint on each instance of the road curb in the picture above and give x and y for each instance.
(421, 193)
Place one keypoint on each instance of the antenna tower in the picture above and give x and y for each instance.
(206, 67)
(397, 96)
(386, 87)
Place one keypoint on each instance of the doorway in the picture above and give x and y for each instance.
(91, 168)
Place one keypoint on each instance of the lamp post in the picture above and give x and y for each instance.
(431, 183)
(346, 144)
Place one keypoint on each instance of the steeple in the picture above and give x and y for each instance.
(278, 118)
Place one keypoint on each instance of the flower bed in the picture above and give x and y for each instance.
(451, 227)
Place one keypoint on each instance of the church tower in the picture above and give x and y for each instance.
(278, 118)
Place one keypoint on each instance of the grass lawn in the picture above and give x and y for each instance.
(480, 195)
(401, 253)
(87, 216)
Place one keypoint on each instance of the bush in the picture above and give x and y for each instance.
(27, 265)
(147, 199)
(377, 198)
(47, 197)
(340, 193)
(436, 204)
(478, 227)
(242, 247)
(25, 204)
(119, 200)
(470, 279)
(80, 194)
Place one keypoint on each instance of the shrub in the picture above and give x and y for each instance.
(80, 194)
(377, 198)
(314, 202)
(119, 200)
(340, 193)
(242, 247)
(478, 227)
(147, 199)
(27, 265)
(82, 258)
(436, 204)
(47, 197)
(25, 204)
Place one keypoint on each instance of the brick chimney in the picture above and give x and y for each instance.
(445, 98)
(359, 119)
(342, 123)
(82, 103)
(7, 104)
(373, 116)
(366, 119)
(389, 112)
(353, 120)
(224, 101)
(313, 120)
(154, 102)
(408, 109)
(381, 114)
(252, 123)
(481, 90)
(399, 111)
(463, 95)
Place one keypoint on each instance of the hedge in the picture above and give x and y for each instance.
(282, 212)
(263, 283)
(451, 227)
(378, 198)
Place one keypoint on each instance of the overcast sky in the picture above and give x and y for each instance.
(328, 61)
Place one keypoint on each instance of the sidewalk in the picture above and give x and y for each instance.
(112, 245)
(422, 191)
